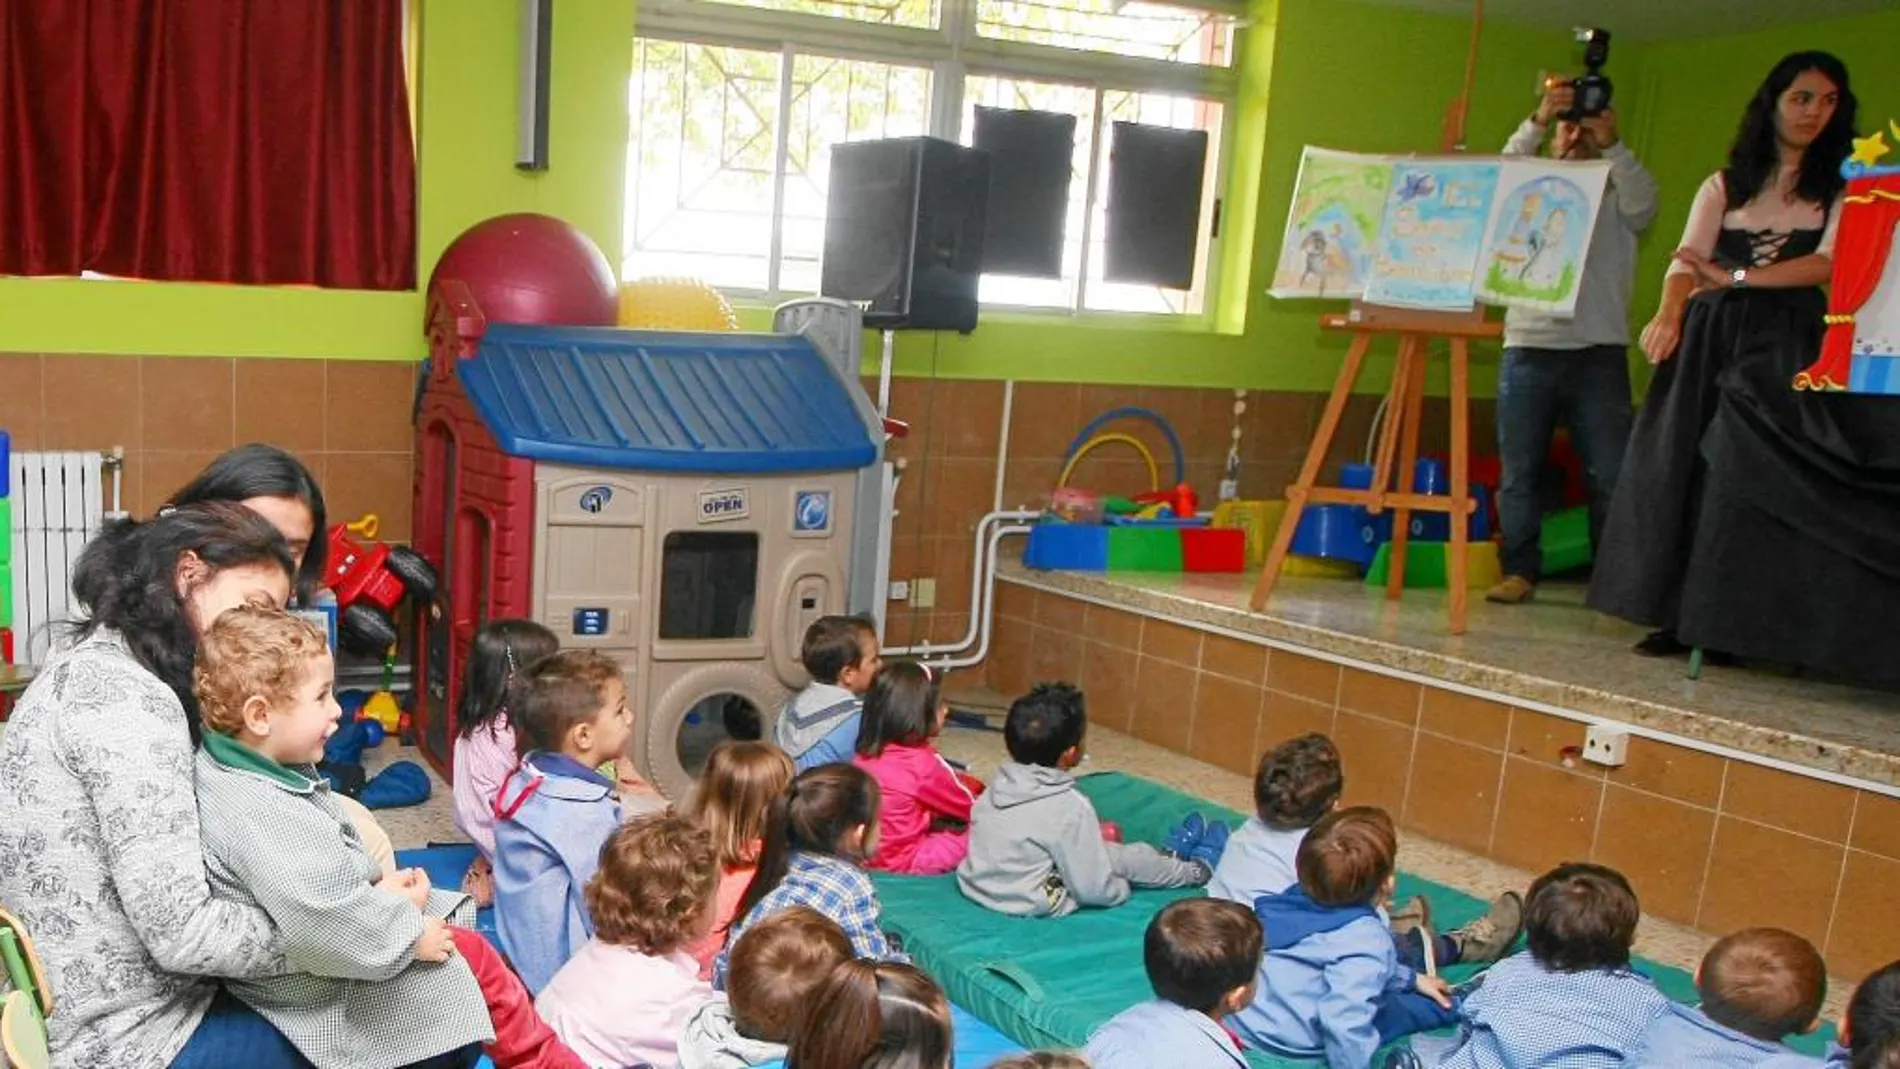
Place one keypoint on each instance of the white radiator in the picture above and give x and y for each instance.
(59, 504)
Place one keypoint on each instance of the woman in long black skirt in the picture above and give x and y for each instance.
(1753, 518)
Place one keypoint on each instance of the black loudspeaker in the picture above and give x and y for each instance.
(1155, 178)
(904, 231)
(1032, 154)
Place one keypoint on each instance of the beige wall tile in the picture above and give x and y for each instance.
(1171, 642)
(1671, 771)
(1383, 696)
(378, 398)
(1763, 876)
(1283, 716)
(1877, 825)
(21, 413)
(1864, 936)
(1479, 722)
(1164, 703)
(1661, 845)
(1376, 756)
(1108, 675)
(1235, 659)
(91, 402)
(1305, 677)
(1546, 816)
(1784, 800)
(188, 403)
(1114, 627)
(1226, 723)
(1454, 795)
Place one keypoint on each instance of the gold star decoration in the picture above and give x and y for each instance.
(1869, 150)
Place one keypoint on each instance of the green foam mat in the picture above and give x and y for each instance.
(1049, 983)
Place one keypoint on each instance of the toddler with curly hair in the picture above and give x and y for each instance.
(624, 998)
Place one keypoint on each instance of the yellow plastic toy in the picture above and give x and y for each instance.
(1260, 519)
(382, 706)
(664, 303)
(1154, 474)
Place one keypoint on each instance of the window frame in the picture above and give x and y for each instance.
(954, 52)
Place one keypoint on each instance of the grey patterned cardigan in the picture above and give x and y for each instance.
(100, 857)
(356, 998)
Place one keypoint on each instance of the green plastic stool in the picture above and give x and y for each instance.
(1566, 540)
(1144, 549)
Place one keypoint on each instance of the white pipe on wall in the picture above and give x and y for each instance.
(985, 611)
(1002, 445)
(982, 573)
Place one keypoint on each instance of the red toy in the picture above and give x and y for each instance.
(370, 579)
(1182, 499)
(528, 268)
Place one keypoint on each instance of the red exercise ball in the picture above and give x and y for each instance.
(529, 268)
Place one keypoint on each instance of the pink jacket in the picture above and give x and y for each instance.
(919, 788)
(616, 1006)
(482, 762)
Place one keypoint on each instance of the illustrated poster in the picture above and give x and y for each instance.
(1543, 216)
(1332, 225)
(1432, 233)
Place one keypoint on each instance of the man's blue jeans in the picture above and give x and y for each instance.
(1589, 389)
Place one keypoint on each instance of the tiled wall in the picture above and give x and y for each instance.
(1707, 841)
(348, 420)
(956, 430)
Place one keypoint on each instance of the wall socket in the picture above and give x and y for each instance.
(900, 590)
(923, 593)
(1606, 746)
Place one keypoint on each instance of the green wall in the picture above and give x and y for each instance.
(1330, 72)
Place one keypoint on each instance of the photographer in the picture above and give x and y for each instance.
(1575, 366)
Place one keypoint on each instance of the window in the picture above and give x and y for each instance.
(737, 103)
(708, 583)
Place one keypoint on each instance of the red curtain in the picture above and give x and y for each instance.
(251, 141)
(1869, 210)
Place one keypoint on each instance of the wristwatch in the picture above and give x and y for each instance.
(1738, 277)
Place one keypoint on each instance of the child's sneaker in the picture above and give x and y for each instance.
(1491, 936)
(1420, 948)
(1414, 912)
(1212, 845)
(1185, 836)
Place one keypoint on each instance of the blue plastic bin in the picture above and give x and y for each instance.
(1071, 547)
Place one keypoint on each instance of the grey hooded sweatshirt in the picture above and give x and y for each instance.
(1036, 850)
(712, 1040)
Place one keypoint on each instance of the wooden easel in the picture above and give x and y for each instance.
(1404, 404)
(1396, 453)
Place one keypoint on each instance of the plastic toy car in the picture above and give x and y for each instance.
(370, 579)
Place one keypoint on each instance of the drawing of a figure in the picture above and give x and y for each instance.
(1544, 268)
(1313, 247)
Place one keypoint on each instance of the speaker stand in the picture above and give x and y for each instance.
(885, 359)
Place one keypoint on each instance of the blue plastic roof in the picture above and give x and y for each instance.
(665, 401)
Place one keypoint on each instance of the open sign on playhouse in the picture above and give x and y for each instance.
(716, 505)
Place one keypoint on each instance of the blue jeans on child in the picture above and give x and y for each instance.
(1408, 1012)
(1590, 389)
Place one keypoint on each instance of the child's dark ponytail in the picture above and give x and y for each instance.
(812, 815)
(499, 653)
(901, 707)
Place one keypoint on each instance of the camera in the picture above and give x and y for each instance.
(1593, 87)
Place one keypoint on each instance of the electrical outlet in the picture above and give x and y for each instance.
(1606, 746)
(923, 594)
(900, 590)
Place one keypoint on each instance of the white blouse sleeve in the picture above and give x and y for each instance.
(1705, 220)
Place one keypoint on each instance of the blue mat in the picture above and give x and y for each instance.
(446, 863)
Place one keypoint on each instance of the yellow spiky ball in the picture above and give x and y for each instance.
(668, 303)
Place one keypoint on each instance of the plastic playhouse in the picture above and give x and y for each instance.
(687, 503)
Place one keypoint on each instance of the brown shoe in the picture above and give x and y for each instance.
(1514, 590)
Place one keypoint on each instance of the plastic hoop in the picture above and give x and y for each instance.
(1154, 473)
(1135, 412)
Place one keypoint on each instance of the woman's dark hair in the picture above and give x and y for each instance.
(901, 707)
(126, 579)
(258, 470)
(1580, 917)
(874, 1015)
(1755, 154)
(813, 815)
(499, 653)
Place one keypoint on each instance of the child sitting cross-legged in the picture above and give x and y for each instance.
(1758, 986)
(377, 978)
(1036, 845)
(555, 810)
(775, 969)
(1331, 984)
(1297, 783)
(818, 834)
(1202, 956)
(626, 996)
(923, 829)
(819, 725)
(1570, 999)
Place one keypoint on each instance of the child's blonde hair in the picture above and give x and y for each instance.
(655, 883)
(734, 796)
(252, 653)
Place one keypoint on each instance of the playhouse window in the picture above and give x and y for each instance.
(708, 584)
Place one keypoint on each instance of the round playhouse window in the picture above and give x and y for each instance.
(711, 721)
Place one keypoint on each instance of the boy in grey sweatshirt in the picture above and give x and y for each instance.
(1036, 845)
